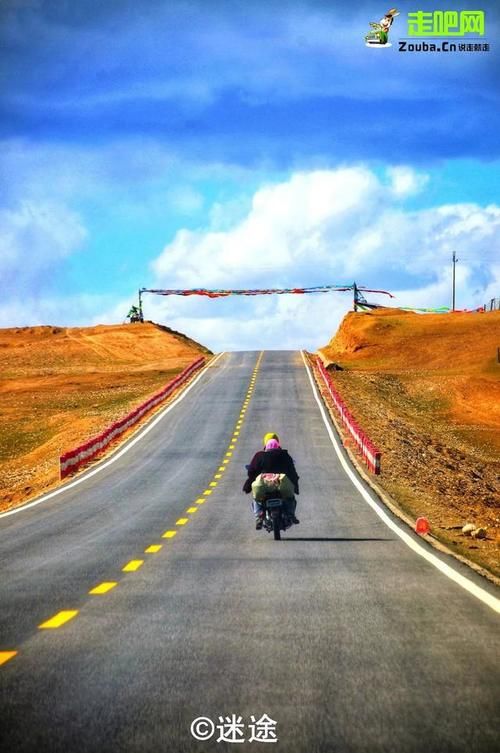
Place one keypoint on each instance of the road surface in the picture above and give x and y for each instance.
(340, 634)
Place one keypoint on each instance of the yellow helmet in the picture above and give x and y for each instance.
(269, 436)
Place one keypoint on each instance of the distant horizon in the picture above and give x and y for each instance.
(236, 349)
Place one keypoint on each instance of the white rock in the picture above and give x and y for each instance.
(479, 533)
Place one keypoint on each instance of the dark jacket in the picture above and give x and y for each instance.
(272, 461)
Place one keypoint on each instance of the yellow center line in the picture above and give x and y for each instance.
(64, 616)
(5, 656)
(103, 588)
(222, 468)
(59, 619)
(169, 534)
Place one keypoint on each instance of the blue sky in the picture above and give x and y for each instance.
(233, 144)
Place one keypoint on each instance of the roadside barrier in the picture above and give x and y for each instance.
(72, 460)
(371, 455)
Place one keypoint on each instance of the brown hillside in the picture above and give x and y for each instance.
(391, 339)
(59, 386)
(427, 389)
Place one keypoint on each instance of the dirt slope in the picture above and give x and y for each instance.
(60, 386)
(427, 389)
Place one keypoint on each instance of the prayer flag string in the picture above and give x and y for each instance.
(221, 293)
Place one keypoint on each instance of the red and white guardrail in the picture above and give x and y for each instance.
(70, 461)
(370, 454)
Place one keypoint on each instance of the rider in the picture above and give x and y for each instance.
(273, 459)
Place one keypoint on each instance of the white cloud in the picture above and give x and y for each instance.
(405, 181)
(492, 290)
(288, 224)
(282, 322)
(324, 227)
(317, 227)
(34, 236)
(64, 311)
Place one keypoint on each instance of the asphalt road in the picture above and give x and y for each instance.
(340, 633)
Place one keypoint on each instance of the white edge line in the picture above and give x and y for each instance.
(116, 455)
(461, 580)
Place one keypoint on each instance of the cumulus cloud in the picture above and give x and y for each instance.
(405, 181)
(316, 227)
(316, 224)
(35, 236)
(288, 224)
(325, 227)
(61, 310)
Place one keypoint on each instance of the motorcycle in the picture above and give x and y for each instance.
(276, 517)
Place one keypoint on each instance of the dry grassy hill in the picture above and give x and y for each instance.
(427, 388)
(59, 386)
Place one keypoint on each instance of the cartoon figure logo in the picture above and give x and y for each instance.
(378, 36)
